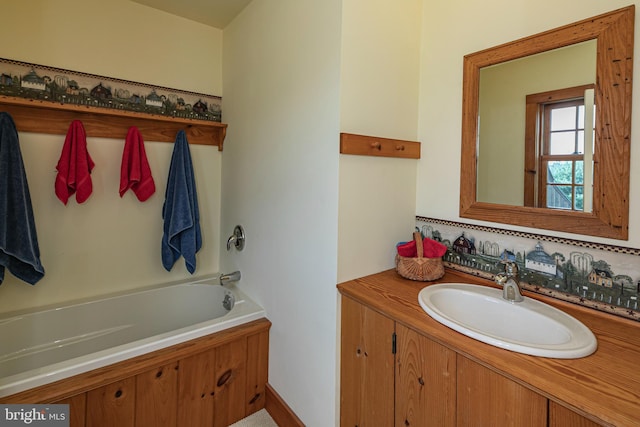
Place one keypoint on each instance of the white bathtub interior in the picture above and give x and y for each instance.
(45, 346)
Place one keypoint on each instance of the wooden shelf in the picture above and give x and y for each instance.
(382, 147)
(53, 118)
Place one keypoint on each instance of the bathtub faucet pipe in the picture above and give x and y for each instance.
(225, 279)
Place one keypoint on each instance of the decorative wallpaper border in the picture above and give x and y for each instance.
(602, 277)
(56, 85)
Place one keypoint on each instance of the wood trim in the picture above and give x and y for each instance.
(279, 410)
(363, 145)
(50, 118)
(80, 383)
(610, 217)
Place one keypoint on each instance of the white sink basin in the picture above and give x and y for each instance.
(529, 327)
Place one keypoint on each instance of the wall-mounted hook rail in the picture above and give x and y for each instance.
(382, 147)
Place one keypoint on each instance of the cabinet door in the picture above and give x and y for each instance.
(367, 365)
(425, 381)
(487, 399)
(559, 416)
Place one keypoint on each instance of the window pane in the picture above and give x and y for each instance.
(562, 143)
(560, 172)
(559, 196)
(580, 142)
(581, 117)
(563, 118)
(579, 198)
(579, 172)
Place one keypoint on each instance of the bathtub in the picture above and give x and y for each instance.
(40, 347)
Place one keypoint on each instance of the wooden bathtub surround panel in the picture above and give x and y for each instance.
(230, 384)
(50, 118)
(196, 390)
(112, 404)
(257, 371)
(486, 398)
(367, 364)
(156, 399)
(426, 373)
(364, 145)
(281, 413)
(209, 381)
(77, 409)
(603, 387)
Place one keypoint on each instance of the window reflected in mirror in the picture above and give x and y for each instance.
(504, 106)
(558, 170)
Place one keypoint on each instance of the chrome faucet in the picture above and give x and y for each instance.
(510, 283)
(236, 239)
(225, 279)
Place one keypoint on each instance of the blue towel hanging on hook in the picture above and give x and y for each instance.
(19, 251)
(182, 234)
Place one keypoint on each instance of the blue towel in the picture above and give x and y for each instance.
(180, 210)
(19, 250)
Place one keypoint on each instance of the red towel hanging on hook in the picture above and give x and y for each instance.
(135, 172)
(74, 167)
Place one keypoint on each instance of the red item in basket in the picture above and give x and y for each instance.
(431, 249)
(407, 249)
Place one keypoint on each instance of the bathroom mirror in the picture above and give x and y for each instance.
(510, 171)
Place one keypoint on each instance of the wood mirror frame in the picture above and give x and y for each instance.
(614, 32)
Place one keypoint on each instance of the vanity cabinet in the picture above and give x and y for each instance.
(486, 398)
(401, 368)
(367, 364)
(559, 416)
(391, 375)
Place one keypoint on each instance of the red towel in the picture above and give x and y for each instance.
(75, 165)
(135, 172)
(431, 249)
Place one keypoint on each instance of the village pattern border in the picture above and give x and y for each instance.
(56, 85)
(591, 284)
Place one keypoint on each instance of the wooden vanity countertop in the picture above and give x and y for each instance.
(604, 386)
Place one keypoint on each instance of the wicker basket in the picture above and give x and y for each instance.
(420, 268)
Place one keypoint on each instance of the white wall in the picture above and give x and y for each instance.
(280, 181)
(109, 244)
(455, 28)
(380, 63)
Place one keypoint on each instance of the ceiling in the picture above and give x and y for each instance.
(215, 13)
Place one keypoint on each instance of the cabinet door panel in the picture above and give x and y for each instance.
(486, 398)
(367, 367)
(559, 416)
(425, 381)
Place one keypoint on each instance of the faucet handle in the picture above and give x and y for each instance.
(500, 279)
(511, 268)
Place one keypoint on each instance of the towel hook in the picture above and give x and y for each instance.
(236, 239)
